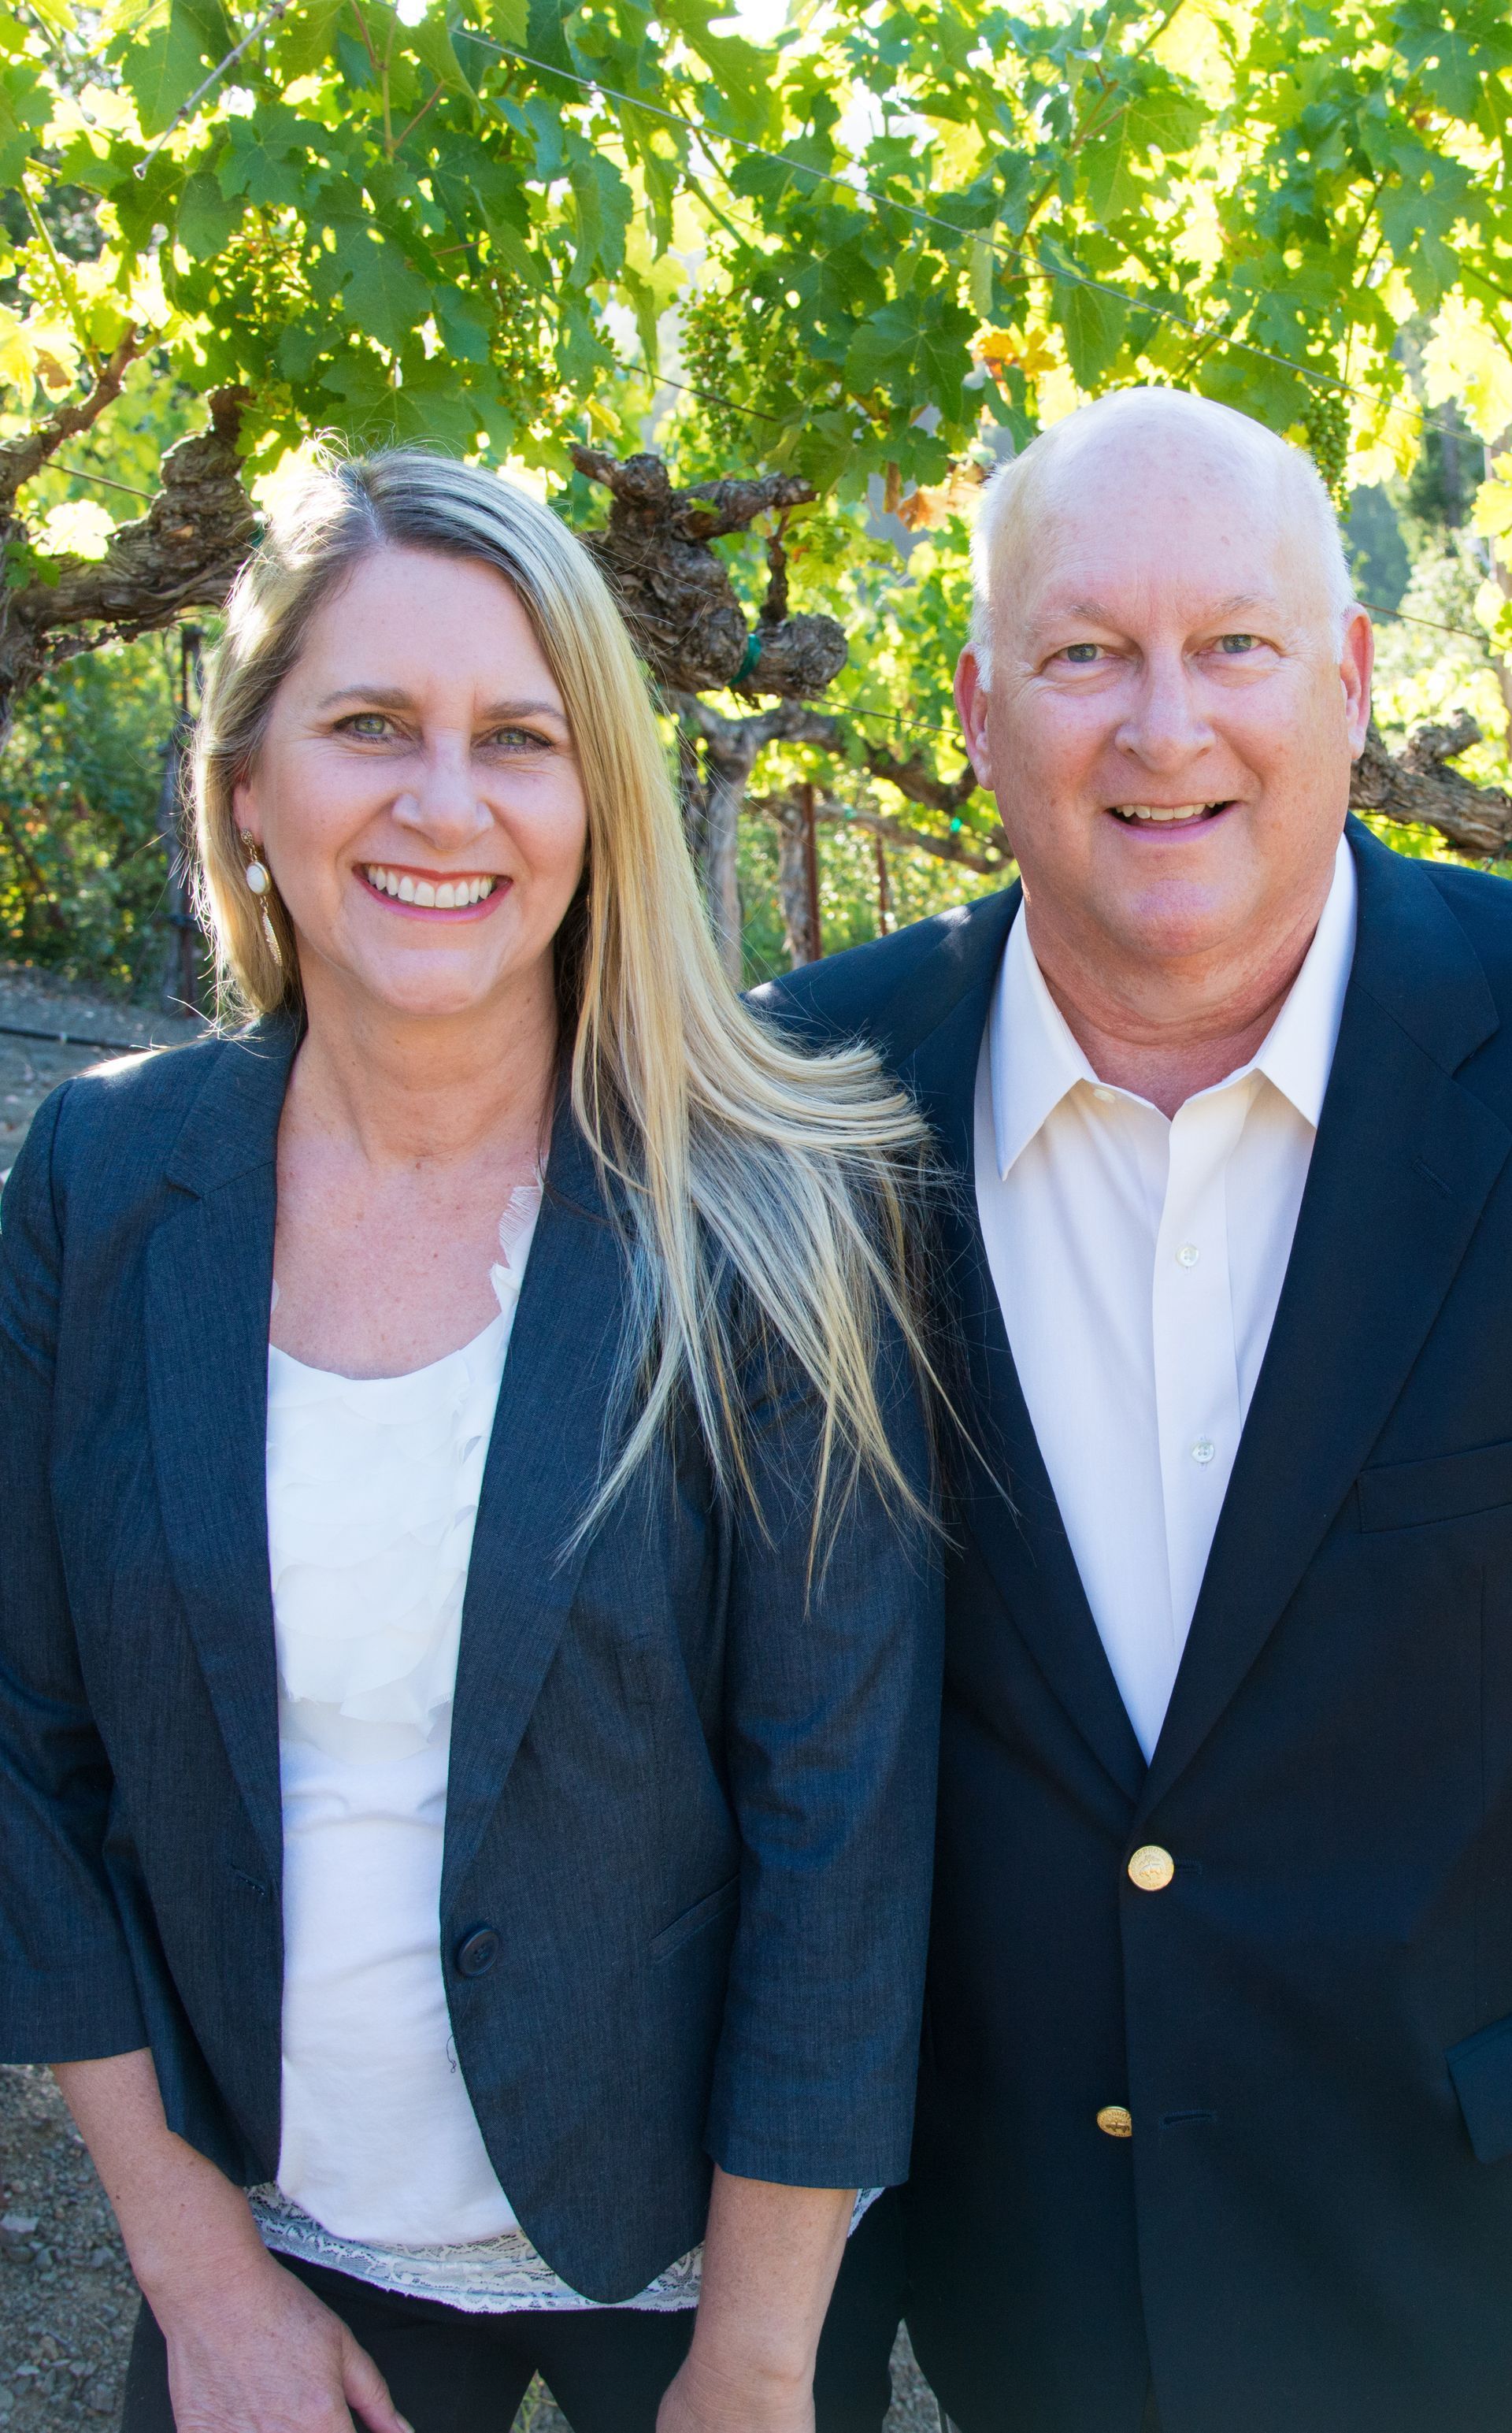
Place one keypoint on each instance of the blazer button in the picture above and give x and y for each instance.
(1151, 1868)
(477, 1951)
(1115, 2120)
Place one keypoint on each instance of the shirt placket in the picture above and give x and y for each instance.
(1197, 1382)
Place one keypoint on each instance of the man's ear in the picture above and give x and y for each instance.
(1356, 664)
(972, 700)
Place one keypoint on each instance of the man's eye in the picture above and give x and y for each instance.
(1080, 655)
(1236, 643)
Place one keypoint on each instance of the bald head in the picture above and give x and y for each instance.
(1141, 456)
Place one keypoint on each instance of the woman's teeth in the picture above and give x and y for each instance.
(1163, 812)
(446, 897)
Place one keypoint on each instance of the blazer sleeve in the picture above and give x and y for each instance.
(67, 1992)
(833, 1688)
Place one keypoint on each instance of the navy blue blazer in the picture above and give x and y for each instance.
(687, 1836)
(1310, 2230)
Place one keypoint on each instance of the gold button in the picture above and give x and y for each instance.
(1115, 2120)
(1151, 1868)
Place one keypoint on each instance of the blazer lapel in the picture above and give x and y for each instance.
(210, 1278)
(1008, 1503)
(1403, 1161)
(544, 1458)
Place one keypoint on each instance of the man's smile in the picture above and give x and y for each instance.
(1166, 814)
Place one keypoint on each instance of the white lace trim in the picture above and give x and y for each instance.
(488, 2277)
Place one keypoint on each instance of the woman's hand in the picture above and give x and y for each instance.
(771, 2254)
(264, 2355)
(249, 2349)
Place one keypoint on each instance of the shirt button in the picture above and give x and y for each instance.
(477, 1951)
(1151, 1868)
(1115, 2120)
(1188, 1255)
(1104, 1096)
(1203, 1451)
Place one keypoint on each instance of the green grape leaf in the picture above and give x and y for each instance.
(267, 156)
(463, 334)
(307, 38)
(26, 108)
(206, 219)
(1091, 317)
(601, 208)
(915, 351)
(386, 298)
(430, 41)
(1454, 59)
(184, 44)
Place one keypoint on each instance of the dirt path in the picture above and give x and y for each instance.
(67, 2299)
(30, 1067)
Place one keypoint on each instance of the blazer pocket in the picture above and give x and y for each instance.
(693, 1920)
(1447, 1486)
(1481, 2067)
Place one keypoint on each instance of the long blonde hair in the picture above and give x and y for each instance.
(737, 1160)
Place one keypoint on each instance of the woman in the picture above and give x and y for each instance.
(447, 1804)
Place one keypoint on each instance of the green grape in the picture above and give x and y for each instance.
(1328, 436)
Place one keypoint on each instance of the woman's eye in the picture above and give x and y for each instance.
(369, 724)
(1080, 655)
(516, 738)
(1235, 645)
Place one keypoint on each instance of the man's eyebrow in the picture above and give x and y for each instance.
(1093, 612)
(395, 697)
(1082, 612)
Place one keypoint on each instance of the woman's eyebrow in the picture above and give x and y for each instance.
(501, 709)
(395, 697)
(380, 696)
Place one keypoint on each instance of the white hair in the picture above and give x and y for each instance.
(1019, 492)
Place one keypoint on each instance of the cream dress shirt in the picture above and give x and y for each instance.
(1138, 1262)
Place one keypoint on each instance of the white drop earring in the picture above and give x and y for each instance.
(260, 883)
(256, 873)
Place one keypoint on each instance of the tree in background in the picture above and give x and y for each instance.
(865, 257)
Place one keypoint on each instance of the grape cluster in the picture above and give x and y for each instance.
(1327, 423)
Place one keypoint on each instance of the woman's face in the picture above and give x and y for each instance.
(417, 796)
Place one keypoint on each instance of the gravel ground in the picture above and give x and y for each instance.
(67, 2299)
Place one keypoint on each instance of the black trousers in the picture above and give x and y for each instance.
(605, 2367)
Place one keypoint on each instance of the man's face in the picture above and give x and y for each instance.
(1172, 714)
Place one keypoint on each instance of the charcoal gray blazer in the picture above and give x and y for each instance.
(688, 1825)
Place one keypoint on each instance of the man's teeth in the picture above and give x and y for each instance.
(446, 897)
(1163, 812)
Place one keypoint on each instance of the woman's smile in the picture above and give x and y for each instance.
(455, 893)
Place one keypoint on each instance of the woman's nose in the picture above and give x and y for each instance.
(445, 806)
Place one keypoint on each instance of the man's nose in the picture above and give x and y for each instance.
(445, 806)
(1163, 726)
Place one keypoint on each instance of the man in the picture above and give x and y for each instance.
(1216, 2115)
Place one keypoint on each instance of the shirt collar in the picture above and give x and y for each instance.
(1036, 1061)
(1298, 1052)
